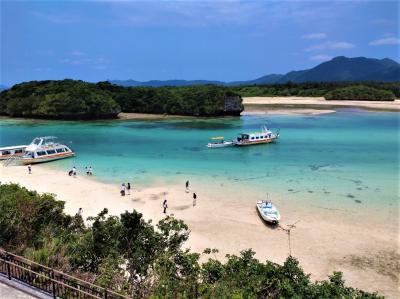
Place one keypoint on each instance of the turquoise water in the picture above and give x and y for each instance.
(347, 156)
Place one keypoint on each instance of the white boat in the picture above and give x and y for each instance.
(264, 136)
(220, 142)
(45, 149)
(12, 151)
(268, 212)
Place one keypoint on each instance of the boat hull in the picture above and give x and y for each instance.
(273, 219)
(255, 142)
(219, 145)
(49, 158)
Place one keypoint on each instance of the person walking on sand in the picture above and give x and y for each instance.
(165, 206)
(187, 186)
(90, 170)
(30, 169)
(123, 189)
(74, 171)
(194, 199)
(129, 188)
(87, 170)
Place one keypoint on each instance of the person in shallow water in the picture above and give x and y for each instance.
(128, 188)
(165, 206)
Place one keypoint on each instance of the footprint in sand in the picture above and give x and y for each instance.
(181, 208)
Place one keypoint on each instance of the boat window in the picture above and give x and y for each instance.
(5, 152)
(66, 149)
(60, 150)
(252, 138)
(41, 153)
(18, 151)
(36, 141)
(49, 152)
(257, 137)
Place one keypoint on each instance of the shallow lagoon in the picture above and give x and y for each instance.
(351, 156)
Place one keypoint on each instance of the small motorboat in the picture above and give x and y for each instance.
(219, 142)
(268, 212)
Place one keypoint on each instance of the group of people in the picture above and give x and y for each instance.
(72, 172)
(88, 170)
(125, 189)
(165, 203)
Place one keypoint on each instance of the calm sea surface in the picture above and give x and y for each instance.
(345, 156)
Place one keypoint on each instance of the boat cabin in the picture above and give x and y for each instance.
(7, 152)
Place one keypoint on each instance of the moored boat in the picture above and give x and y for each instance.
(45, 149)
(268, 212)
(264, 136)
(12, 151)
(219, 142)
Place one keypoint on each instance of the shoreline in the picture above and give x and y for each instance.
(324, 240)
(312, 105)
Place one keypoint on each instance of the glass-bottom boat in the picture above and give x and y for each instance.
(45, 149)
(264, 136)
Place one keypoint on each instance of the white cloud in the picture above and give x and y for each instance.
(330, 45)
(385, 41)
(314, 36)
(321, 57)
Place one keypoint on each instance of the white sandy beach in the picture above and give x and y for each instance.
(309, 105)
(364, 248)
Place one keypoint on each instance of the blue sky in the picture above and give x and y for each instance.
(215, 40)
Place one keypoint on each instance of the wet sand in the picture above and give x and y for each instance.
(310, 105)
(324, 240)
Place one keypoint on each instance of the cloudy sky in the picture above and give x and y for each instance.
(215, 40)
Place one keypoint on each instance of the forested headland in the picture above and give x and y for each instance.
(134, 257)
(72, 99)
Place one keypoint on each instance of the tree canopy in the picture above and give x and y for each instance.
(72, 99)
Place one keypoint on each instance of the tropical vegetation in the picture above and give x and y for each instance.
(72, 99)
(318, 89)
(134, 257)
(360, 92)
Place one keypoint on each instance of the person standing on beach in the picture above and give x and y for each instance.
(29, 169)
(123, 189)
(74, 171)
(90, 170)
(87, 170)
(187, 186)
(194, 199)
(165, 206)
(129, 188)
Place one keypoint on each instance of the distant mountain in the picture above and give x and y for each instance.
(348, 69)
(338, 69)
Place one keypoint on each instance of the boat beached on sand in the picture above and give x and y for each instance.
(45, 149)
(219, 142)
(268, 212)
(264, 136)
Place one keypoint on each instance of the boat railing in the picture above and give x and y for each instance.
(11, 159)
